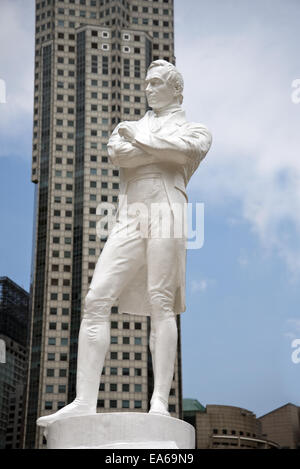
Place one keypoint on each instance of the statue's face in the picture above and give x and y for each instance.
(159, 92)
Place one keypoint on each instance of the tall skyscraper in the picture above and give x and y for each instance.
(91, 58)
(14, 312)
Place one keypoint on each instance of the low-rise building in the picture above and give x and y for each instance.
(225, 427)
(282, 425)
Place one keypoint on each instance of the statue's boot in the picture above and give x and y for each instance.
(163, 344)
(93, 342)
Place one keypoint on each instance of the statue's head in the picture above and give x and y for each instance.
(164, 85)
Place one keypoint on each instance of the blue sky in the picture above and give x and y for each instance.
(239, 59)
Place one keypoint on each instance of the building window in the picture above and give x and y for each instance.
(94, 65)
(113, 404)
(105, 65)
(137, 404)
(125, 371)
(48, 405)
(125, 404)
(126, 68)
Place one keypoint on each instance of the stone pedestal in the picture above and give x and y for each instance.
(120, 431)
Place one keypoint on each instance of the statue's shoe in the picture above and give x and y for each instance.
(74, 409)
(158, 407)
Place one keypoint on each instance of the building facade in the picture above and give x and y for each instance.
(91, 57)
(225, 427)
(282, 425)
(14, 315)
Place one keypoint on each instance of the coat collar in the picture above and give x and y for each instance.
(176, 117)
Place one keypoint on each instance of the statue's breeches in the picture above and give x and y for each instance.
(129, 249)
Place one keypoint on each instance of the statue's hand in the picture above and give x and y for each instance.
(126, 131)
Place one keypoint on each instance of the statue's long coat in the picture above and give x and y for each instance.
(176, 148)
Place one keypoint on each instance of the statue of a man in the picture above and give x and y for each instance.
(157, 155)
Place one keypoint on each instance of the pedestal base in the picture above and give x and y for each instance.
(120, 431)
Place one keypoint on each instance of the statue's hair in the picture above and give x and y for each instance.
(174, 76)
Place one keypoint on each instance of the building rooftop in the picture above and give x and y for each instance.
(192, 405)
(289, 404)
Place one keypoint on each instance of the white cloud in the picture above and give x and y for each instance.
(16, 69)
(243, 260)
(239, 85)
(199, 285)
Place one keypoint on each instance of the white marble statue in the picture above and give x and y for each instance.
(145, 274)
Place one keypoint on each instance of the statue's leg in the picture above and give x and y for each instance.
(165, 347)
(93, 343)
(163, 338)
(118, 262)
